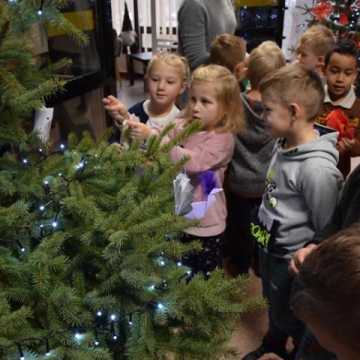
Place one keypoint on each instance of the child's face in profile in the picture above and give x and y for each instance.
(307, 58)
(277, 116)
(204, 105)
(165, 84)
(340, 72)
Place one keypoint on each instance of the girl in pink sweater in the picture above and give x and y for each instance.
(215, 102)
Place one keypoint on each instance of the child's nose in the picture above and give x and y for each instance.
(340, 77)
(161, 84)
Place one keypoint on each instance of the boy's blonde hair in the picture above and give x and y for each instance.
(319, 39)
(171, 59)
(264, 59)
(227, 50)
(227, 93)
(295, 84)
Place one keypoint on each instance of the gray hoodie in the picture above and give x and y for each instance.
(252, 154)
(302, 189)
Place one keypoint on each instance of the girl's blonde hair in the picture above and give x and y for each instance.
(227, 93)
(172, 59)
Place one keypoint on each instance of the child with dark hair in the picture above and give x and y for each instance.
(326, 295)
(341, 106)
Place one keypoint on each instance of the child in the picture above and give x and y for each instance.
(302, 187)
(327, 295)
(314, 45)
(245, 181)
(215, 102)
(346, 214)
(167, 76)
(342, 107)
(229, 51)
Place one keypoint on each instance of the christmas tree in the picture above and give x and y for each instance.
(342, 16)
(90, 262)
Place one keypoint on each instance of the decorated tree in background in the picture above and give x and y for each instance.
(342, 16)
(90, 262)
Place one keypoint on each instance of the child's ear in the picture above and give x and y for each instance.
(240, 70)
(321, 63)
(295, 110)
(184, 87)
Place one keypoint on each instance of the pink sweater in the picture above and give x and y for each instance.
(208, 150)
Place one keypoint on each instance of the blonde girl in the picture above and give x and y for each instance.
(167, 76)
(214, 101)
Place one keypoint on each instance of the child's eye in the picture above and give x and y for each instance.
(349, 73)
(155, 79)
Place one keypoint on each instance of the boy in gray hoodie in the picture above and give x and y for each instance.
(302, 187)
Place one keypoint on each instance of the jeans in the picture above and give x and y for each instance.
(277, 284)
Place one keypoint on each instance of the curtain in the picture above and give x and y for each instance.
(295, 23)
(166, 22)
(118, 11)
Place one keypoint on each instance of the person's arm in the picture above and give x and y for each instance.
(321, 185)
(192, 23)
(116, 109)
(207, 155)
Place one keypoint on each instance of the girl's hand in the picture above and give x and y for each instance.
(117, 110)
(139, 131)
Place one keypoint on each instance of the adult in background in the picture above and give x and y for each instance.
(199, 22)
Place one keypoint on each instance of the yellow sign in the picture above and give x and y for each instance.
(83, 20)
(242, 3)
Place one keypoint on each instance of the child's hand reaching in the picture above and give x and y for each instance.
(349, 145)
(138, 130)
(117, 110)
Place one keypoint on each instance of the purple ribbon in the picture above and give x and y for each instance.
(208, 181)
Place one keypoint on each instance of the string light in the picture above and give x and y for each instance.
(21, 353)
(62, 147)
(179, 263)
(80, 165)
(25, 161)
(113, 317)
(41, 207)
(40, 11)
(99, 313)
(54, 224)
(160, 307)
(79, 337)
